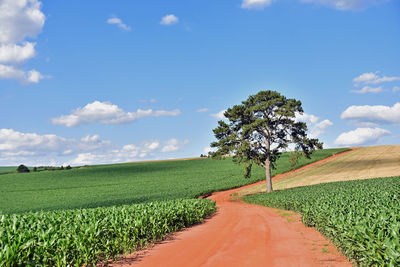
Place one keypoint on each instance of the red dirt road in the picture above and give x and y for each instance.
(241, 234)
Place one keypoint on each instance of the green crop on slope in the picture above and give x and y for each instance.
(361, 217)
(131, 183)
(87, 236)
(7, 169)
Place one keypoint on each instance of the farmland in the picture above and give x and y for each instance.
(8, 169)
(132, 183)
(86, 236)
(91, 212)
(361, 217)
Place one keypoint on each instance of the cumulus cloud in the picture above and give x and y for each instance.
(119, 23)
(169, 19)
(378, 113)
(315, 126)
(107, 113)
(361, 136)
(19, 19)
(50, 149)
(373, 78)
(127, 153)
(13, 53)
(9, 72)
(202, 110)
(174, 145)
(255, 4)
(368, 89)
(12, 141)
(219, 115)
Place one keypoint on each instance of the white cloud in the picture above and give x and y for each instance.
(169, 19)
(373, 78)
(315, 127)
(208, 149)
(127, 153)
(202, 110)
(119, 23)
(33, 76)
(320, 128)
(368, 89)
(376, 113)
(13, 53)
(9, 72)
(49, 149)
(19, 19)
(15, 141)
(255, 4)
(219, 115)
(173, 145)
(396, 88)
(107, 113)
(307, 118)
(361, 136)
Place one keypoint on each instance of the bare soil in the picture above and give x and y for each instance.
(241, 234)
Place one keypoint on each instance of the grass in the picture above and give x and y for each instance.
(361, 217)
(118, 184)
(7, 169)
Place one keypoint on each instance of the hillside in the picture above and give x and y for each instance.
(130, 183)
(360, 163)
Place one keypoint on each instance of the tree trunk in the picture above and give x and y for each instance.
(268, 175)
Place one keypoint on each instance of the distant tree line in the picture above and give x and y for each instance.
(22, 168)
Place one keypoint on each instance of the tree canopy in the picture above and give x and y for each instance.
(258, 130)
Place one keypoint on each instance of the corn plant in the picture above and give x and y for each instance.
(361, 217)
(87, 236)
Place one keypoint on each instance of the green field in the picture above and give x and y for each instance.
(361, 217)
(118, 184)
(86, 236)
(74, 234)
(7, 169)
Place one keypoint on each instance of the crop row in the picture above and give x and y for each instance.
(131, 183)
(87, 236)
(361, 217)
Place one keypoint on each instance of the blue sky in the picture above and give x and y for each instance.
(84, 82)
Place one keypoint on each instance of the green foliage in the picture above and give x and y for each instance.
(260, 128)
(361, 217)
(68, 167)
(22, 168)
(294, 158)
(85, 237)
(131, 183)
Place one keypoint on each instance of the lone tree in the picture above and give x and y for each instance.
(259, 129)
(22, 168)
